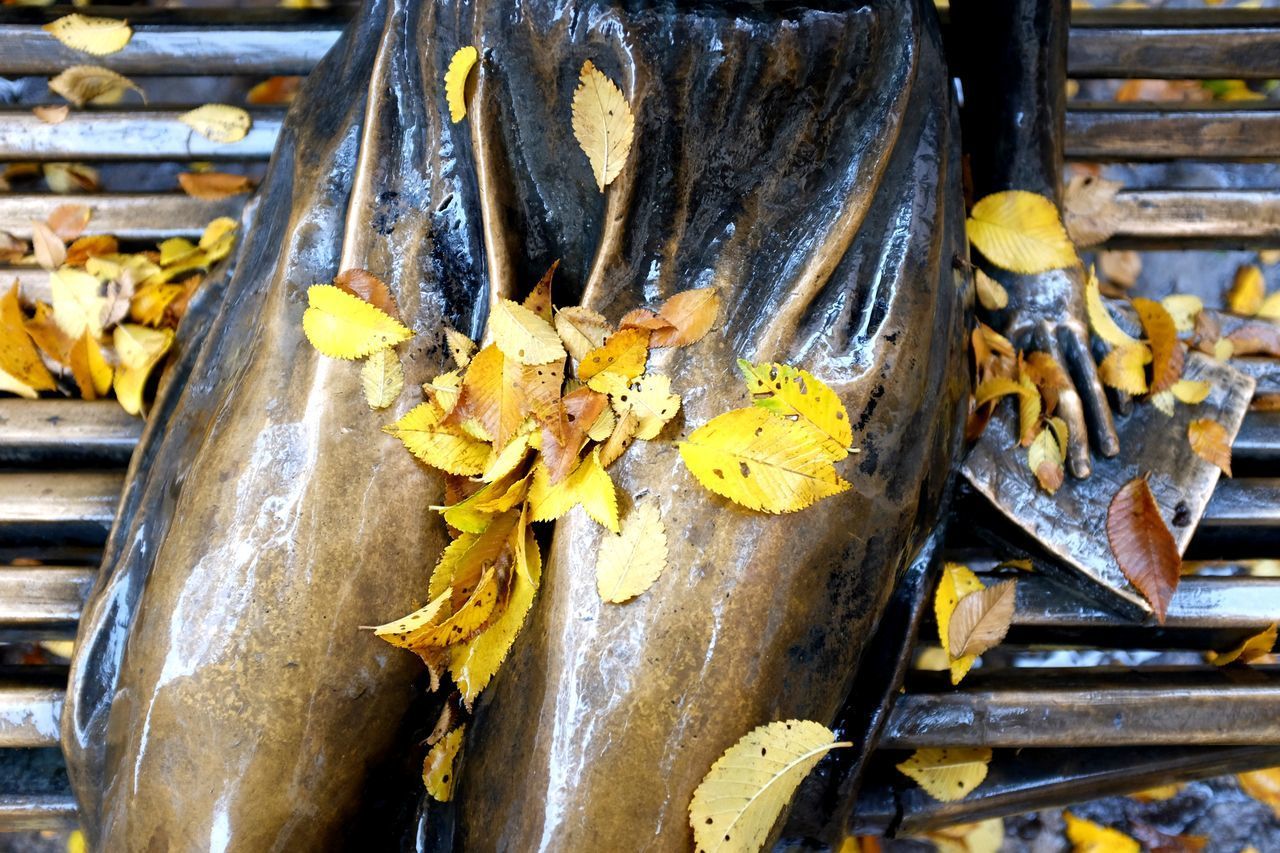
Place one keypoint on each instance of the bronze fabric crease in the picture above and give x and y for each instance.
(802, 158)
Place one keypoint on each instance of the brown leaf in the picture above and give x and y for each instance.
(11, 248)
(981, 619)
(564, 432)
(539, 299)
(1049, 376)
(212, 186)
(1256, 338)
(1120, 267)
(370, 288)
(275, 90)
(643, 318)
(1265, 403)
(1143, 545)
(68, 221)
(52, 115)
(692, 313)
(49, 249)
(1162, 336)
(1211, 443)
(1088, 211)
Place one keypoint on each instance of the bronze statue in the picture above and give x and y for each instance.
(802, 158)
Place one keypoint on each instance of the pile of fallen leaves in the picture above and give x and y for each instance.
(109, 315)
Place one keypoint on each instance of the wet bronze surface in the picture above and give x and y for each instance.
(802, 160)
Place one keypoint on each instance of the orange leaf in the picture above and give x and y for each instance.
(275, 90)
(90, 369)
(94, 246)
(212, 186)
(1124, 368)
(1210, 442)
(623, 354)
(1143, 545)
(52, 341)
(491, 395)
(643, 318)
(1162, 336)
(68, 221)
(18, 355)
(564, 432)
(370, 288)
(692, 313)
(539, 299)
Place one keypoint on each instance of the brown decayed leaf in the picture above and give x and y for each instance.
(539, 299)
(52, 115)
(1120, 267)
(1162, 337)
(643, 318)
(623, 354)
(1247, 291)
(1255, 339)
(1211, 443)
(212, 186)
(1088, 212)
(49, 249)
(370, 288)
(1143, 545)
(692, 313)
(68, 221)
(981, 619)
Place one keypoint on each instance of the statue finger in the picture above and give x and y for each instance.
(1084, 374)
(1070, 408)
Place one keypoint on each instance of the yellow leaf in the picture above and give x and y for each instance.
(1029, 406)
(581, 330)
(52, 115)
(991, 294)
(1184, 309)
(1158, 793)
(460, 347)
(1223, 349)
(761, 461)
(602, 123)
(995, 388)
(1088, 837)
(589, 485)
(437, 444)
(437, 768)
(523, 336)
(797, 394)
(19, 358)
(1270, 308)
(340, 325)
(492, 395)
(504, 461)
(89, 84)
(218, 122)
(1210, 441)
(1247, 291)
(1104, 325)
(1020, 231)
(1124, 368)
(1259, 645)
(1045, 457)
(71, 177)
(956, 582)
(139, 350)
(175, 250)
(1191, 391)
(736, 805)
(99, 36)
(650, 399)
(92, 373)
(217, 238)
(691, 314)
(76, 843)
(473, 665)
(444, 390)
(1263, 786)
(630, 562)
(947, 774)
(455, 81)
(622, 356)
(983, 837)
(382, 379)
(77, 303)
(474, 513)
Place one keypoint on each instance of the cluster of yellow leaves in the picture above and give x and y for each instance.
(110, 317)
(948, 774)
(777, 455)
(1088, 837)
(971, 617)
(737, 803)
(985, 836)
(1263, 786)
(1020, 231)
(1036, 380)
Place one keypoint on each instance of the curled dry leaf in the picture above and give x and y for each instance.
(602, 123)
(382, 378)
(1142, 544)
(1120, 267)
(341, 325)
(1162, 336)
(736, 805)
(1019, 231)
(1247, 291)
(370, 288)
(219, 123)
(51, 114)
(1089, 837)
(437, 768)
(947, 774)
(761, 461)
(1089, 210)
(630, 562)
(1211, 443)
(98, 36)
(691, 313)
(956, 582)
(50, 251)
(981, 619)
(991, 293)
(91, 84)
(68, 221)
(212, 186)
(1255, 647)
(455, 81)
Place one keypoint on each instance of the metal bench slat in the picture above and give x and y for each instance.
(29, 715)
(75, 431)
(1223, 132)
(1171, 217)
(1210, 50)
(129, 216)
(143, 134)
(42, 602)
(62, 507)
